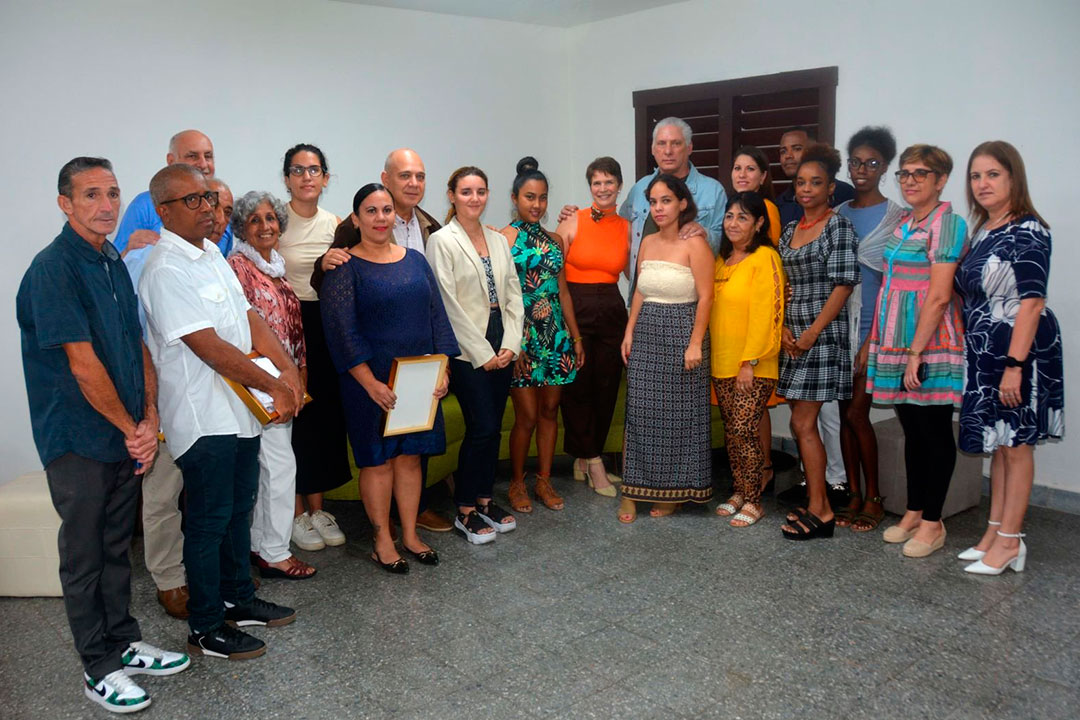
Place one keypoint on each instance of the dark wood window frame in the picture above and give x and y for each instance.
(728, 97)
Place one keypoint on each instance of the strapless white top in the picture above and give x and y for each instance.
(660, 281)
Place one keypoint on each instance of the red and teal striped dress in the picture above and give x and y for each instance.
(913, 249)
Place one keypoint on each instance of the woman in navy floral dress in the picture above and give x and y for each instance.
(551, 349)
(1015, 394)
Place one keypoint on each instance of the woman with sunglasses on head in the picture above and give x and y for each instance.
(666, 351)
(597, 251)
(874, 218)
(747, 318)
(1015, 394)
(381, 305)
(551, 351)
(916, 346)
(480, 288)
(819, 257)
(319, 438)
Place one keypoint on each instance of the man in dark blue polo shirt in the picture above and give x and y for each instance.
(93, 408)
(792, 144)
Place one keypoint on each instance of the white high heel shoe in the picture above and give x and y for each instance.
(971, 553)
(1017, 563)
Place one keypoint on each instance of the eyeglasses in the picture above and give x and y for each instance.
(312, 170)
(871, 164)
(918, 176)
(193, 200)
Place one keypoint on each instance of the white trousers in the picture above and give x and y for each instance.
(272, 518)
(829, 427)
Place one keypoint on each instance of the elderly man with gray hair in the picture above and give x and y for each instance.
(200, 329)
(671, 149)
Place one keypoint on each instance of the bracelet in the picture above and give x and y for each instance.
(913, 353)
(577, 339)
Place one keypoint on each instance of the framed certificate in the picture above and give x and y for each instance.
(413, 380)
(258, 402)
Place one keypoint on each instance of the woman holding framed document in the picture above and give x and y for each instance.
(385, 305)
(258, 220)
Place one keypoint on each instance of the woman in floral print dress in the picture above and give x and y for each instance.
(551, 349)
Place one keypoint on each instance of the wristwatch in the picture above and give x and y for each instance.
(1011, 362)
(753, 363)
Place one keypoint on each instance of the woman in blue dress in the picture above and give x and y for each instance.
(1015, 394)
(385, 304)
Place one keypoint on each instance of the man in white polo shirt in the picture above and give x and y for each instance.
(200, 330)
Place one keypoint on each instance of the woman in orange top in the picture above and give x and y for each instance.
(750, 173)
(598, 248)
(745, 325)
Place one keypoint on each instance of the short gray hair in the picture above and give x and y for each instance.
(245, 207)
(675, 122)
(164, 178)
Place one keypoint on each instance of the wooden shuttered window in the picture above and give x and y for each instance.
(727, 114)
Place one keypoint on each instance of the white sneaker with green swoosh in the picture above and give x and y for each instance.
(116, 692)
(144, 659)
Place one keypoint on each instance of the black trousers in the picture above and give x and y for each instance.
(97, 504)
(482, 395)
(929, 455)
(588, 403)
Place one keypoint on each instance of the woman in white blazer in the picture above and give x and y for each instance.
(482, 295)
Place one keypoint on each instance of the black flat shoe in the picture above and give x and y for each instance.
(427, 557)
(398, 567)
(810, 526)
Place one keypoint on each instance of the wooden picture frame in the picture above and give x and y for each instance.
(258, 402)
(413, 380)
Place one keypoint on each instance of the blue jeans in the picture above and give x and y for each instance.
(482, 395)
(221, 477)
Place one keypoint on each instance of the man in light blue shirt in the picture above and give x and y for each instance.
(671, 148)
(141, 225)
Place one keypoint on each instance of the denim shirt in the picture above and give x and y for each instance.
(708, 194)
(142, 215)
(73, 293)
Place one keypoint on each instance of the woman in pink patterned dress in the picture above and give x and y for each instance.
(257, 221)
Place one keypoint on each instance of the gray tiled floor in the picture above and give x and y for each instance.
(576, 616)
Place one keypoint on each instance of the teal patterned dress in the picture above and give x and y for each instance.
(547, 347)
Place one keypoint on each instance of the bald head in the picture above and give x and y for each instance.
(163, 186)
(194, 148)
(405, 177)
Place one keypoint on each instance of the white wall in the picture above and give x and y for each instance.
(118, 77)
(948, 73)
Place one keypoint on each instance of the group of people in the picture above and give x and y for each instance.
(750, 300)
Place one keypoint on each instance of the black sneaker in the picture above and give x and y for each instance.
(259, 612)
(496, 517)
(225, 642)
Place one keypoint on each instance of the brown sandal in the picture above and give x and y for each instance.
(519, 496)
(547, 494)
(297, 569)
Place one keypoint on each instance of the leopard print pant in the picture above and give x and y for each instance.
(742, 415)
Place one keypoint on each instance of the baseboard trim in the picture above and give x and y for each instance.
(1065, 501)
(1047, 497)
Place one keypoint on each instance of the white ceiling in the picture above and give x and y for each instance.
(556, 13)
